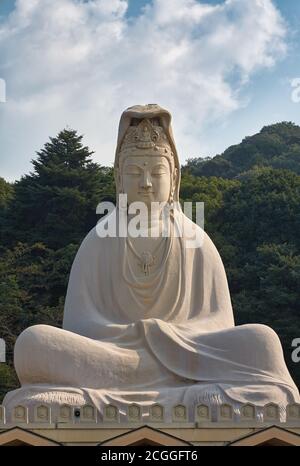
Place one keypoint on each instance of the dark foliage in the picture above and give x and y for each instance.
(252, 213)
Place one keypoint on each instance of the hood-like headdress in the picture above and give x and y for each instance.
(147, 129)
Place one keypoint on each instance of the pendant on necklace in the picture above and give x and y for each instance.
(147, 262)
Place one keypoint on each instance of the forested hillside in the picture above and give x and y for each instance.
(252, 213)
(276, 146)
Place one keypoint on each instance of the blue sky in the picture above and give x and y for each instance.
(216, 100)
(269, 90)
(134, 7)
(6, 6)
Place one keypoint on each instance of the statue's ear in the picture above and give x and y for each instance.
(174, 179)
(175, 176)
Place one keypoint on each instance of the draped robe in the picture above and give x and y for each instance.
(167, 338)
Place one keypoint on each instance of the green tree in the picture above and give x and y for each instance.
(252, 213)
(263, 208)
(276, 146)
(33, 283)
(6, 196)
(56, 203)
(6, 193)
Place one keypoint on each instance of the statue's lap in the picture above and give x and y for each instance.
(56, 352)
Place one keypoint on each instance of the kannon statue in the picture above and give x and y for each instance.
(148, 319)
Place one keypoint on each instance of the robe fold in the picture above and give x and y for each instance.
(167, 338)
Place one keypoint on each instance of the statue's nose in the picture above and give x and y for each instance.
(146, 180)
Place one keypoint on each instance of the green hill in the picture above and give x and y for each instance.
(276, 146)
(252, 212)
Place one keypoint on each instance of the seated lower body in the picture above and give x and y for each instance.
(238, 365)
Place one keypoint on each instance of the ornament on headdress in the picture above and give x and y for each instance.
(145, 134)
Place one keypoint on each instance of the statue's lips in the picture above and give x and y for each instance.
(145, 193)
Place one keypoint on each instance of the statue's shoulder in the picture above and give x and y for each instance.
(198, 239)
(191, 231)
(95, 236)
(93, 242)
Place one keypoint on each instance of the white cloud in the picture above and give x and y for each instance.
(76, 63)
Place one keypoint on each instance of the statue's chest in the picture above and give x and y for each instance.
(146, 256)
(146, 286)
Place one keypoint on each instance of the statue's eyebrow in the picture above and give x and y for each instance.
(141, 165)
(132, 165)
(159, 164)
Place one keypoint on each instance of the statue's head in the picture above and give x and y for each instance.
(146, 164)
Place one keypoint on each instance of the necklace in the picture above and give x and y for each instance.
(147, 259)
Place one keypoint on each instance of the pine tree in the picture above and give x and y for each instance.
(6, 193)
(56, 203)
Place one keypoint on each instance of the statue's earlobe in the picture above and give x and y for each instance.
(173, 185)
(175, 180)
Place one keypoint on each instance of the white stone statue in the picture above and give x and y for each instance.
(149, 320)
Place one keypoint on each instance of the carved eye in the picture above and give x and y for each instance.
(132, 170)
(159, 171)
(132, 173)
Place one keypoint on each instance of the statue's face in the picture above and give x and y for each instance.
(146, 179)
